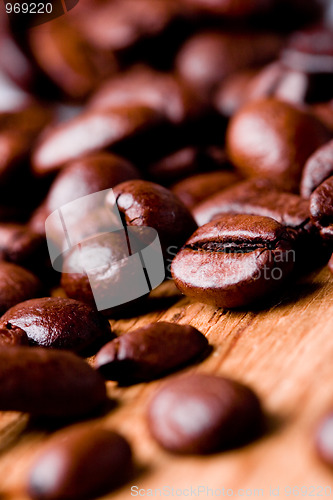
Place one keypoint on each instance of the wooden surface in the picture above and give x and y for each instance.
(284, 352)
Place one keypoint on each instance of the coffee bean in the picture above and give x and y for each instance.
(324, 440)
(321, 208)
(13, 337)
(273, 139)
(91, 131)
(209, 57)
(80, 462)
(103, 256)
(16, 285)
(48, 382)
(141, 85)
(234, 261)
(144, 203)
(22, 246)
(232, 94)
(68, 59)
(150, 351)
(317, 169)
(324, 112)
(58, 323)
(257, 197)
(196, 188)
(87, 175)
(203, 414)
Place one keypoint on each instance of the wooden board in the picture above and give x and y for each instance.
(284, 352)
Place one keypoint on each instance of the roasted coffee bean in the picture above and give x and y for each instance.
(321, 208)
(232, 94)
(87, 175)
(150, 351)
(48, 382)
(13, 337)
(91, 131)
(80, 462)
(209, 57)
(324, 112)
(273, 139)
(187, 161)
(22, 246)
(143, 203)
(324, 440)
(104, 257)
(317, 169)
(196, 188)
(16, 285)
(230, 9)
(58, 323)
(234, 261)
(203, 414)
(141, 85)
(68, 59)
(257, 197)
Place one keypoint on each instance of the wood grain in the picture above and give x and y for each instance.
(285, 352)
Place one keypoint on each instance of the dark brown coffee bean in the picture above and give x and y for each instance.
(256, 197)
(58, 323)
(203, 414)
(91, 131)
(80, 462)
(196, 188)
(47, 382)
(324, 440)
(144, 203)
(234, 261)
(209, 57)
(87, 175)
(68, 60)
(273, 139)
(150, 351)
(16, 285)
(104, 257)
(13, 337)
(188, 161)
(317, 169)
(324, 112)
(321, 208)
(141, 85)
(22, 246)
(231, 8)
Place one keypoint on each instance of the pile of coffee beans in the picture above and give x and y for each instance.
(210, 123)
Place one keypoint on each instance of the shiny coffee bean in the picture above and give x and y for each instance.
(187, 161)
(209, 57)
(46, 382)
(256, 197)
(22, 246)
(13, 337)
(321, 208)
(68, 59)
(273, 139)
(317, 169)
(16, 285)
(91, 131)
(234, 261)
(324, 440)
(104, 257)
(143, 203)
(58, 323)
(197, 188)
(87, 175)
(203, 414)
(143, 86)
(80, 462)
(149, 352)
